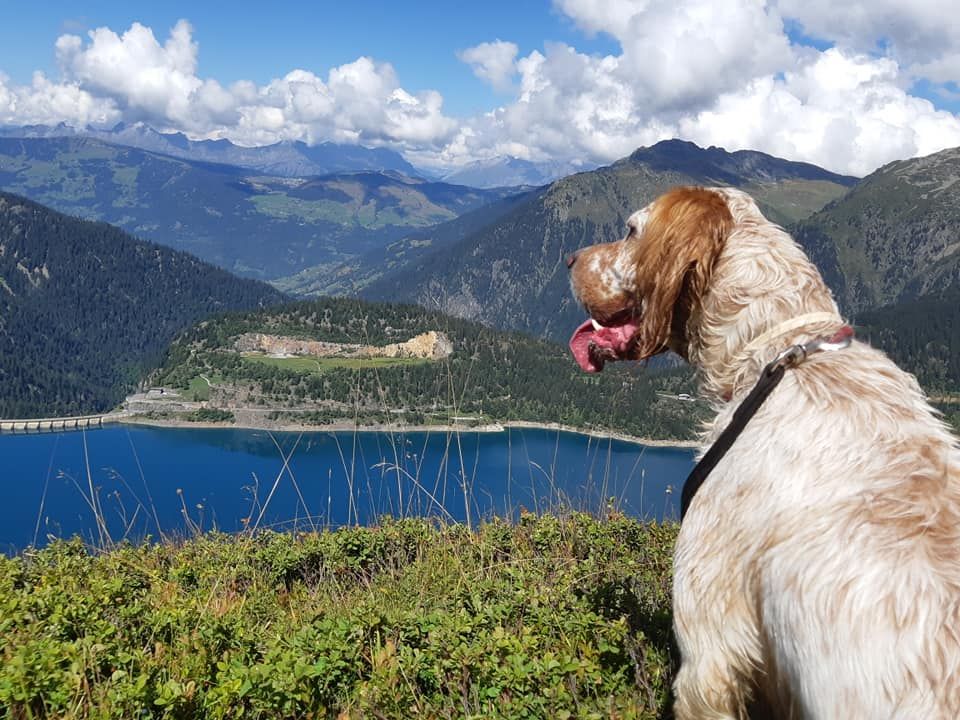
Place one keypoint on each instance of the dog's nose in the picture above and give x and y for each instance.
(572, 258)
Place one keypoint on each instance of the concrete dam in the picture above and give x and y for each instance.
(78, 422)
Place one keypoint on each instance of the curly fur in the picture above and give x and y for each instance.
(817, 571)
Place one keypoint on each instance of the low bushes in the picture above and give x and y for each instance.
(560, 617)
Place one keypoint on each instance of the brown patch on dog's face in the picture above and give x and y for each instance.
(603, 277)
(652, 280)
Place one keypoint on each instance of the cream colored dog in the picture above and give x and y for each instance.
(818, 569)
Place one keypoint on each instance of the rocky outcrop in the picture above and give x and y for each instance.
(431, 345)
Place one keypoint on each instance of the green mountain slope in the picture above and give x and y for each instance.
(351, 276)
(490, 375)
(895, 236)
(259, 226)
(511, 273)
(85, 308)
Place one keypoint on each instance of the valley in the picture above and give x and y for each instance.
(493, 257)
(251, 224)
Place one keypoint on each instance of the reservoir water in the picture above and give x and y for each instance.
(173, 482)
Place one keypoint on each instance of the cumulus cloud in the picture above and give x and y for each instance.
(716, 73)
(146, 80)
(45, 102)
(134, 77)
(681, 55)
(842, 111)
(922, 36)
(494, 62)
(359, 102)
(727, 74)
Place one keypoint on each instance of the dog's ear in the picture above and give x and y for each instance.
(681, 241)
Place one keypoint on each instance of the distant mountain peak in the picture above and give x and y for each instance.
(717, 164)
(507, 171)
(286, 158)
(510, 273)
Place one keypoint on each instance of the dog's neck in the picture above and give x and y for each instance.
(762, 280)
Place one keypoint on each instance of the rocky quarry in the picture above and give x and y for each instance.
(430, 345)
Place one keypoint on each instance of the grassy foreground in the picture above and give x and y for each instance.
(550, 617)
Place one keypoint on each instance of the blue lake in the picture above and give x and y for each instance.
(171, 481)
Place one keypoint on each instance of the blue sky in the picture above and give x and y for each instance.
(848, 86)
(260, 41)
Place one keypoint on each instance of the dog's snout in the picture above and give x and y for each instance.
(572, 258)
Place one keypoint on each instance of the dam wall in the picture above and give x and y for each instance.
(79, 422)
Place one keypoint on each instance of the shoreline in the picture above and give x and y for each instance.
(346, 426)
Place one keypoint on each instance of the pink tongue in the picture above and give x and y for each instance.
(591, 348)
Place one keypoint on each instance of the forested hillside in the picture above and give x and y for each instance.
(491, 375)
(894, 237)
(86, 308)
(922, 336)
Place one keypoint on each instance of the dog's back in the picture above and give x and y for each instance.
(823, 558)
(818, 568)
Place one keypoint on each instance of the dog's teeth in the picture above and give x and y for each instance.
(596, 325)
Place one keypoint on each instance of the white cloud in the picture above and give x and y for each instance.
(716, 73)
(923, 36)
(681, 55)
(147, 81)
(45, 102)
(132, 76)
(360, 102)
(494, 62)
(725, 74)
(844, 112)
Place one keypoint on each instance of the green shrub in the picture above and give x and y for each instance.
(210, 415)
(561, 617)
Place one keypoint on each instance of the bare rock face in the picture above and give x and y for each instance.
(280, 346)
(431, 345)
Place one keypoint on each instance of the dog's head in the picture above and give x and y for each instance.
(641, 291)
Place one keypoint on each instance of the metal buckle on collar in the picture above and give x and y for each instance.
(796, 354)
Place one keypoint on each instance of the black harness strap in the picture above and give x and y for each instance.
(770, 377)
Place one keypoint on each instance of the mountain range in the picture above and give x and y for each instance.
(511, 171)
(888, 245)
(285, 159)
(894, 237)
(86, 309)
(254, 225)
(511, 272)
(294, 158)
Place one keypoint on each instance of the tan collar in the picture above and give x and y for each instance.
(762, 340)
